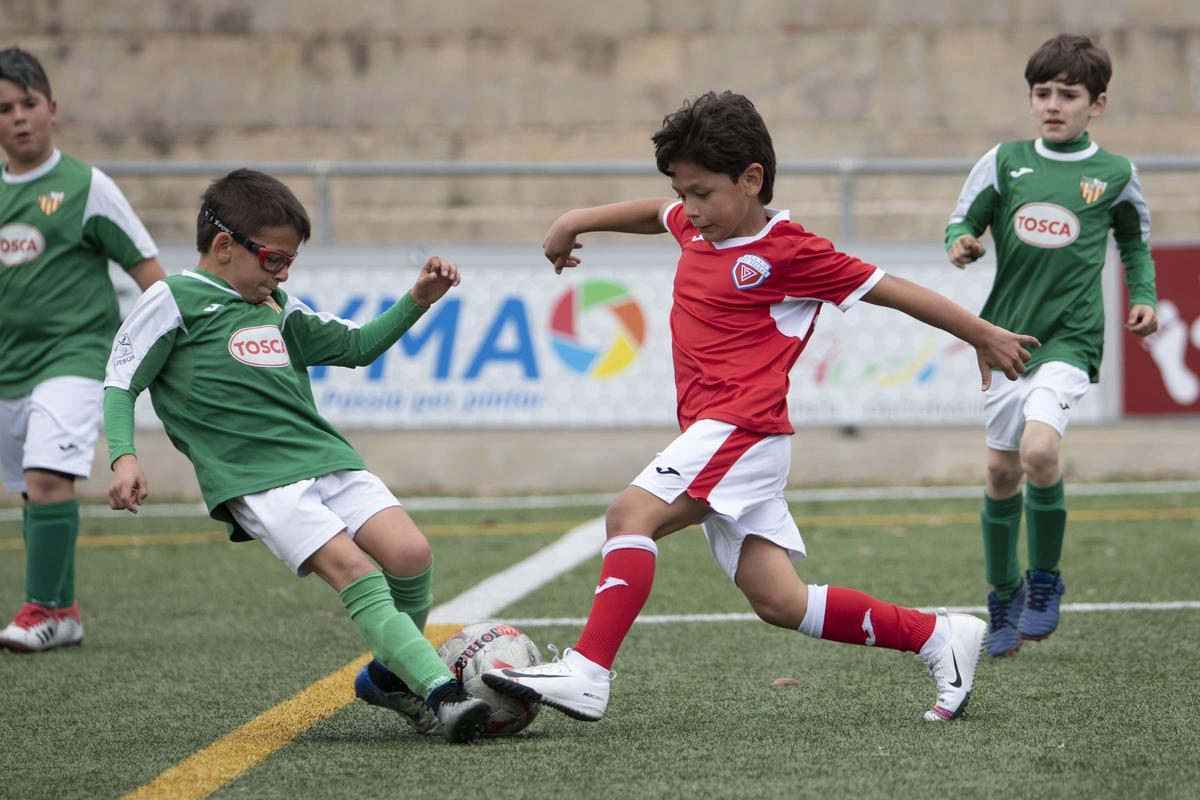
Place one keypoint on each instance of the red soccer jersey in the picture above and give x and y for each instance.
(744, 309)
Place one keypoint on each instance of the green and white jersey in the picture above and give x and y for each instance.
(60, 225)
(229, 381)
(1050, 209)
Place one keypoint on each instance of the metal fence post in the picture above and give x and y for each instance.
(324, 227)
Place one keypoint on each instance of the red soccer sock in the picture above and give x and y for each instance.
(857, 618)
(626, 575)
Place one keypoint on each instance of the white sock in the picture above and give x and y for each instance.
(813, 623)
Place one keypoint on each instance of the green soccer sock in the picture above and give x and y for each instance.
(1001, 522)
(396, 642)
(413, 596)
(1046, 519)
(66, 591)
(50, 533)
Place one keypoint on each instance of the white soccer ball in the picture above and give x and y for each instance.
(476, 648)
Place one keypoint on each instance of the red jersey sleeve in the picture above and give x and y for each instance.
(819, 272)
(676, 222)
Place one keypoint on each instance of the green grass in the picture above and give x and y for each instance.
(185, 642)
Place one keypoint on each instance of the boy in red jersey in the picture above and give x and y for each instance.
(748, 289)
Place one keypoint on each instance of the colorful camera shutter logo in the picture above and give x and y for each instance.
(594, 297)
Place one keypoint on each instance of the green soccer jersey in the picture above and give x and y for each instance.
(1050, 208)
(229, 381)
(60, 225)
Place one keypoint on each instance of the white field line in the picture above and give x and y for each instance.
(864, 493)
(673, 619)
(508, 586)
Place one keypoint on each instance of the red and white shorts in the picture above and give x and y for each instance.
(741, 475)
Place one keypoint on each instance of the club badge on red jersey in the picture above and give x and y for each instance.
(749, 271)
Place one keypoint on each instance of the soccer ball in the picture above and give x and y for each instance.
(474, 649)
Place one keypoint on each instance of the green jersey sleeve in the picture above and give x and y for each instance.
(1131, 230)
(322, 338)
(111, 227)
(139, 352)
(977, 202)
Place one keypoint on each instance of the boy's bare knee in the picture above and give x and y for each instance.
(778, 610)
(1004, 478)
(634, 510)
(1041, 466)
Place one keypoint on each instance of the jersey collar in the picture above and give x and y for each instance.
(35, 173)
(1044, 151)
(777, 216)
(215, 281)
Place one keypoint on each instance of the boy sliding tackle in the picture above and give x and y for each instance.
(225, 353)
(748, 289)
(1050, 203)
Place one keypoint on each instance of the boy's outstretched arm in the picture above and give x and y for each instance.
(436, 277)
(995, 346)
(628, 216)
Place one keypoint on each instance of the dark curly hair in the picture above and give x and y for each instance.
(720, 132)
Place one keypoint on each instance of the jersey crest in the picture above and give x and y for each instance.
(750, 271)
(49, 203)
(1091, 188)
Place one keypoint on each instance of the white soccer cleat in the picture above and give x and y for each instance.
(31, 630)
(68, 629)
(573, 685)
(953, 666)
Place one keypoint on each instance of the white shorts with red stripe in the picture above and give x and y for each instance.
(741, 475)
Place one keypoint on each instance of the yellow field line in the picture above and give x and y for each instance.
(515, 528)
(209, 769)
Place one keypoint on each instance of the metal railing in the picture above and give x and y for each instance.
(846, 169)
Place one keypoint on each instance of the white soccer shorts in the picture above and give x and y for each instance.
(741, 475)
(1047, 393)
(296, 520)
(54, 427)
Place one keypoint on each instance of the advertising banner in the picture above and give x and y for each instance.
(1162, 371)
(518, 346)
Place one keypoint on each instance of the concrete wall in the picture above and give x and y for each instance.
(519, 462)
(526, 80)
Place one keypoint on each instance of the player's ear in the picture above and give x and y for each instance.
(1098, 104)
(222, 247)
(751, 179)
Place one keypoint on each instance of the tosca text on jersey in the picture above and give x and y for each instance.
(20, 244)
(1045, 225)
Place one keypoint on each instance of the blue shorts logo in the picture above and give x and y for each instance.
(750, 271)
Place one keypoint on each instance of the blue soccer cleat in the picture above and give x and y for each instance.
(1003, 637)
(402, 700)
(1043, 596)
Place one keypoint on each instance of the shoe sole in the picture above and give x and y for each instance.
(469, 727)
(16, 648)
(522, 692)
(1008, 653)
